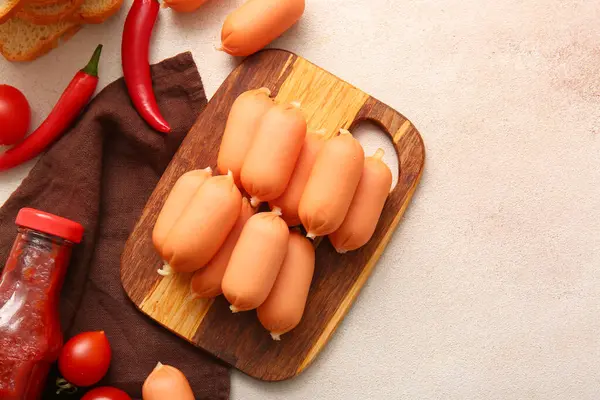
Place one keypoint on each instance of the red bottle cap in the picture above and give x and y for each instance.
(50, 224)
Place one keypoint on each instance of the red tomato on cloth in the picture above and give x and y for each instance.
(106, 393)
(85, 358)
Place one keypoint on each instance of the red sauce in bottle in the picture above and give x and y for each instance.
(30, 333)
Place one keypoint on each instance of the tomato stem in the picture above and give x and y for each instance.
(65, 386)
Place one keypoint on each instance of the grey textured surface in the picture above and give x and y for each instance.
(490, 289)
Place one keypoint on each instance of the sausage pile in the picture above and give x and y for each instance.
(261, 260)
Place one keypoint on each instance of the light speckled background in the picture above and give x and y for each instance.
(490, 289)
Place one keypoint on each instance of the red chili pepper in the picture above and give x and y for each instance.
(71, 102)
(136, 70)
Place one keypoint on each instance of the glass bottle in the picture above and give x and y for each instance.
(30, 332)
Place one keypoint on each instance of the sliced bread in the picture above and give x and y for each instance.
(23, 41)
(8, 8)
(49, 14)
(96, 11)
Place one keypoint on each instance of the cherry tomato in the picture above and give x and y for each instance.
(15, 115)
(85, 358)
(106, 393)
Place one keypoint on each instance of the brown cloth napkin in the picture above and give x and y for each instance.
(101, 174)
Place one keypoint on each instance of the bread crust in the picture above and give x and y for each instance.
(83, 17)
(10, 10)
(46, 2)
(49, 14)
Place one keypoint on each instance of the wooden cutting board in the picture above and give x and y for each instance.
(239, 339)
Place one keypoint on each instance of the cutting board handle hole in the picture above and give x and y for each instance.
(372, 137)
